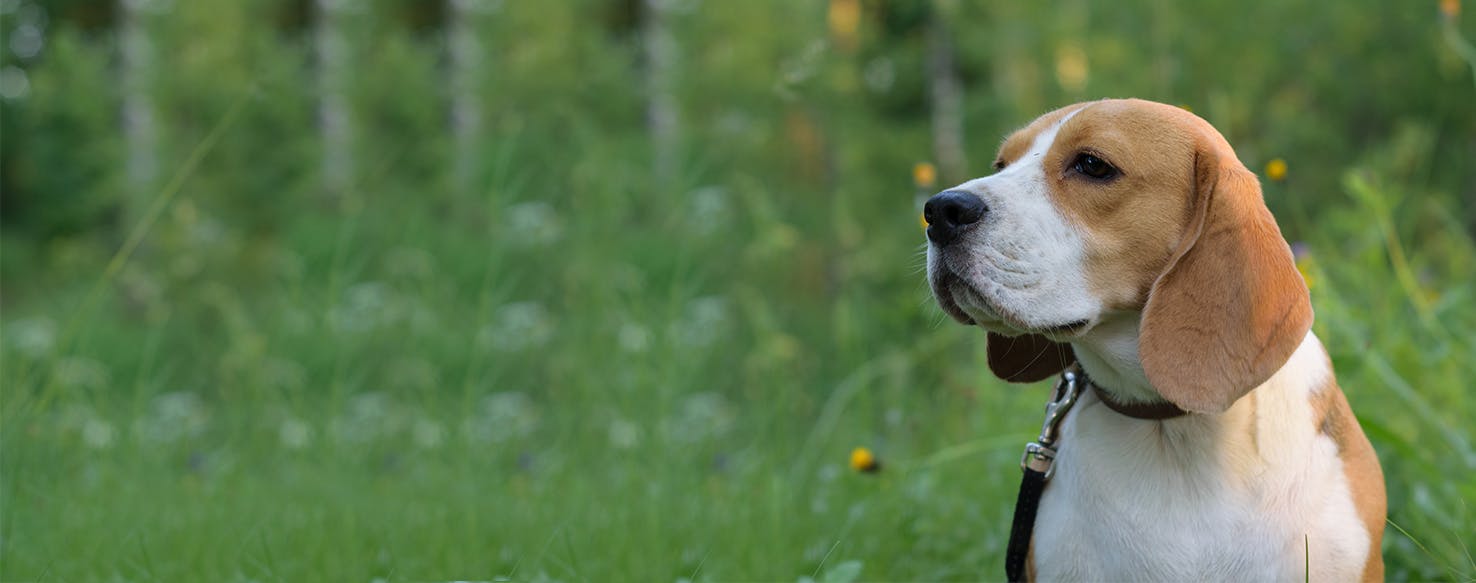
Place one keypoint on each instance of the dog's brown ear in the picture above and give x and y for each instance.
(1231, 307)
(1028, 357)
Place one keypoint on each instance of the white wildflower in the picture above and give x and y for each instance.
(369, 417)
(502, 417)
(700, 417)
(518, 326)
(709, 208)
(295, 433)
(172, 417)
(633, 337)
(33, 337)
(366, 306)
(533, 223)
(14, 84)
(624, 434)
(704, 320)
(97, 433)
(428, 434)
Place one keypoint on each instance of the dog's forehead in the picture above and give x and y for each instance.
(1019, 142)
(1124, 118)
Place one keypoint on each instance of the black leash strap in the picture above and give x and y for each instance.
(1031, 486)
(1037, 463)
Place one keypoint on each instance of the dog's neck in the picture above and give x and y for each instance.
(1109, 355)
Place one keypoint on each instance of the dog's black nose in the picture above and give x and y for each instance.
(951, 212)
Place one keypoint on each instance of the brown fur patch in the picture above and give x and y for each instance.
(1135, 221)
(1335, 419)
(1028, 357)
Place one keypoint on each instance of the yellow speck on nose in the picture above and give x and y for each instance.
(922, 219)
(1276, 169)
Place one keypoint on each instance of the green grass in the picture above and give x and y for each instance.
(569, 372)
(409, 396)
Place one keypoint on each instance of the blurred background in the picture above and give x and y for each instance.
(370, 290)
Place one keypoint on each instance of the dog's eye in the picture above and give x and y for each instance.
(999, 164)
(1094, 167)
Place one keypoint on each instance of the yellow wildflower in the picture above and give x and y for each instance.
(1304, 265)
(1071, 67)
(1276, 169)
(1450, 8)
(844, 18)
(924, 175)
(862, 460)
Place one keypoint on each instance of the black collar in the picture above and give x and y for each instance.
(1152, 411)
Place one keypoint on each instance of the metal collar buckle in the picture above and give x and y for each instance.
(1040, 455)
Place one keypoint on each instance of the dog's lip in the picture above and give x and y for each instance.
(943, 292)
(1066, 329)
(966, 304)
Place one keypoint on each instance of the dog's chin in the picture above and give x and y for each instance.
(962, 303)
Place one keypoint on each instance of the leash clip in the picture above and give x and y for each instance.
(1040, 455)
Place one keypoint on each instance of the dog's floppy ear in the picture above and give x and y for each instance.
(1231, 307)
(1028, 357)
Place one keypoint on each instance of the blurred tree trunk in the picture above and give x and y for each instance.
(335, 116)
(465, 67)
(946, 94)
(140, 130)
(661, 106)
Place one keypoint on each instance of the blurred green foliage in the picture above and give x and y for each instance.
(558, 367)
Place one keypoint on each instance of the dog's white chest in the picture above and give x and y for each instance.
(1252, 495)
(1137, 522)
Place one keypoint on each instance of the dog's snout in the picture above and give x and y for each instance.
(950, 213)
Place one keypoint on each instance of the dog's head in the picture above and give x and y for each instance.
(1121, 207)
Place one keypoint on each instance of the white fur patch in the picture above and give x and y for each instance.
(1228, 497)
(1110, 355)
(1024, 265)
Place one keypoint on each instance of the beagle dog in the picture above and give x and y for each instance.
(1213, 443)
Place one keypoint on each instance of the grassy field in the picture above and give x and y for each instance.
(572, 371)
